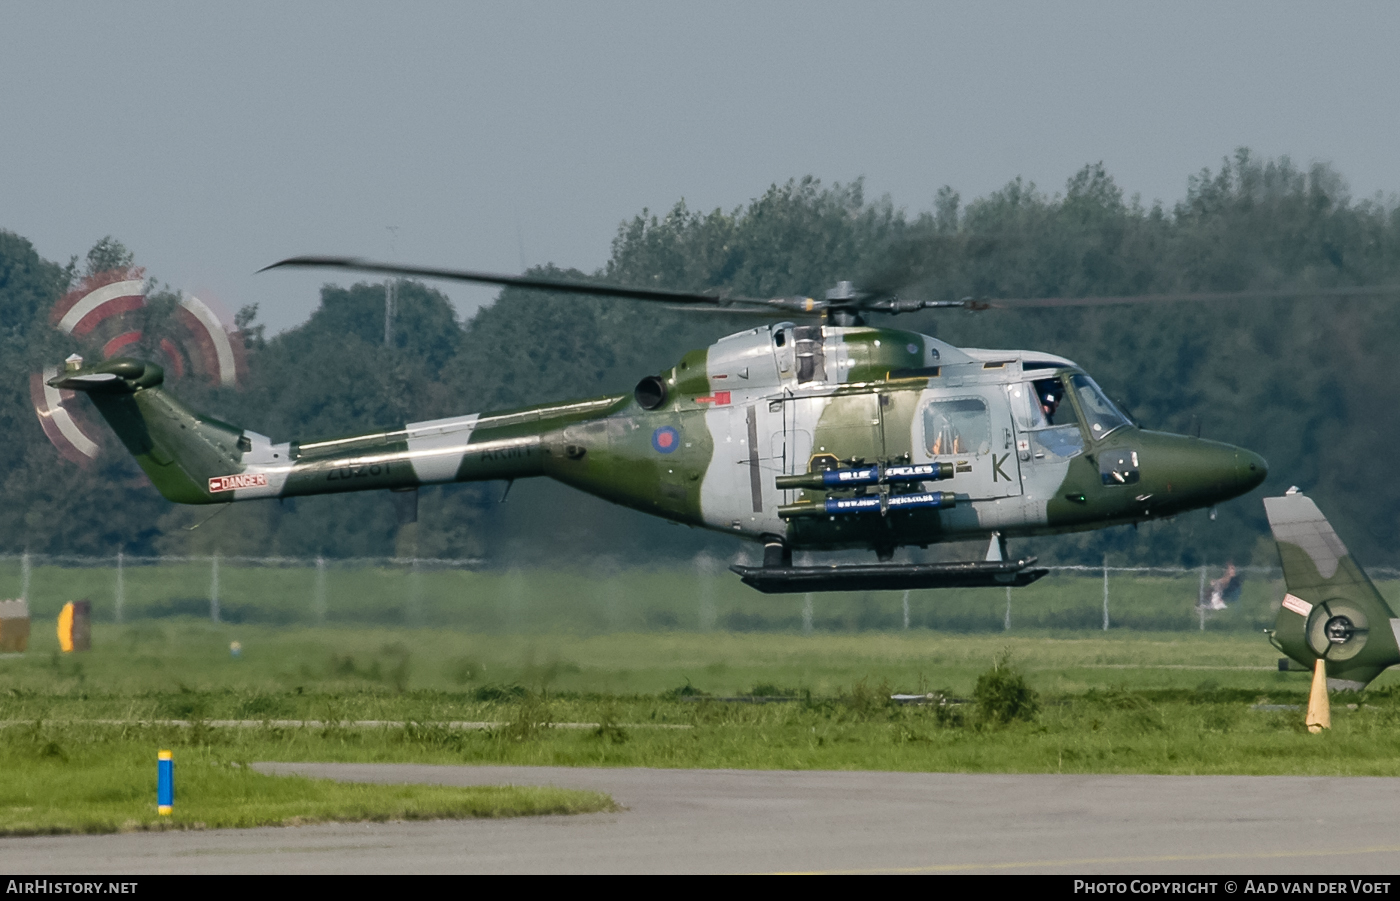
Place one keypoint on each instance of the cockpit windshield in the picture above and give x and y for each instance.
(1051, 422)
(1100, 414)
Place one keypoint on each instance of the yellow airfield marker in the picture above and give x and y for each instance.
(1319, 708)
(65, 628)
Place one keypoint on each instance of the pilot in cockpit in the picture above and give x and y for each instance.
(1048, 390)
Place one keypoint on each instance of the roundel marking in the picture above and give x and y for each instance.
(666, 439)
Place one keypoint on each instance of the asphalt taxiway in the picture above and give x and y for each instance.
(807, 821)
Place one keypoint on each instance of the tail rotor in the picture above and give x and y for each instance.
(111, 314)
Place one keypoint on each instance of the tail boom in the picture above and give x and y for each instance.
(195, 459)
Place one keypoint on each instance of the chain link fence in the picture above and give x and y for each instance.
(699, 596)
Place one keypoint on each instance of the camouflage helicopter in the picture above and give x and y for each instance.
(802, 436)
(1332, 611)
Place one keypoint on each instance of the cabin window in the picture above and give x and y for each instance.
(1100, 414)
(959, 426)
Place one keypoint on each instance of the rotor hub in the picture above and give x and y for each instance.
(844, 291)
(1339, 630)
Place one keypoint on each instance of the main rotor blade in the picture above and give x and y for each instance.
(876, 302)
(357, 264)
(738, 309)
(1261, 294)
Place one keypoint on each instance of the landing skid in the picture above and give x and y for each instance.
(889, 576)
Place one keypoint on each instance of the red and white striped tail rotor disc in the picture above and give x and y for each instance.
(107, 310)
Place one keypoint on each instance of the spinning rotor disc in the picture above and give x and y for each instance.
(108, 312)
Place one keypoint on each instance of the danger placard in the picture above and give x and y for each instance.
(230, 483)
(1297, 605)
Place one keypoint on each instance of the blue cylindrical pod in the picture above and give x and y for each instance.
(928, 500)
(873, 503)
(918, 472)
(866, 475)
(837, 478)
(867, 504)
(165, 783)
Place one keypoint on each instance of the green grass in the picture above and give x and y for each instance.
(1102, 731)
(169, 657)
(80, 731)
(73, 778)
(605, 601)
(1110, 702)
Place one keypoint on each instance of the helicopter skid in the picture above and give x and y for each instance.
(889, 576)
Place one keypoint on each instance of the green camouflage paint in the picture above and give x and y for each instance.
(1332, 610)
(704, 443)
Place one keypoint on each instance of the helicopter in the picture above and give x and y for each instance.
(815, 433)
(1332, 611)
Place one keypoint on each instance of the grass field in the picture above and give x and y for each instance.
(75, 779)
(156, 658)
(81, 730)
(1121, 701)
(604, 600)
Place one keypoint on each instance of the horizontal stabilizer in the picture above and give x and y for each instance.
(85, 382)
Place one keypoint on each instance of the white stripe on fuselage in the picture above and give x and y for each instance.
(437, 447)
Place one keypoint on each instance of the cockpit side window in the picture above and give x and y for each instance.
(1041, 410)
(1100, 414)
(1051, 394)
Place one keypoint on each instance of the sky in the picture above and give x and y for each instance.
(214, 139)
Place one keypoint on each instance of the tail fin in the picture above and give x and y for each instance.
(179, 450)
(1331, 611)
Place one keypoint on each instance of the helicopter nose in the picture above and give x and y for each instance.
(1198, 473)
(1223, 471)
(1250, 470)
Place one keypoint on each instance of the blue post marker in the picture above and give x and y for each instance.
(165, 783)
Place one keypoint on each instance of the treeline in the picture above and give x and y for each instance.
(1305, 382)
